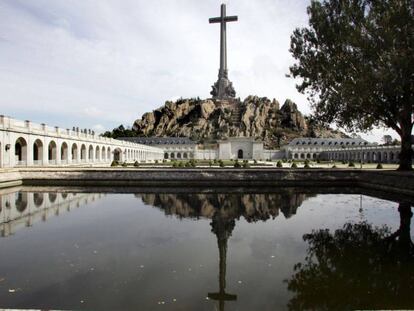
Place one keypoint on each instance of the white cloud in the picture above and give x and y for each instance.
(108, 62)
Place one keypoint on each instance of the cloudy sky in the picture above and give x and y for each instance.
(97, 64)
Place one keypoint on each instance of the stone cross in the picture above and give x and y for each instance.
(223, 88)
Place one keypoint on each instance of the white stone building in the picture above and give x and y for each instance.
(240, 148)
(311, 148)
(26, 144)
(181, 148)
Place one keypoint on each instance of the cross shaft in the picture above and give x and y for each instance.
(223, 88)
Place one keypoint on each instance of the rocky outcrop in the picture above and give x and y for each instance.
(208, 120)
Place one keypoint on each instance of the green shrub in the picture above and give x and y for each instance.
(255, 161)
(284, 160)
(187, 164)
(136, 164)
(279, 164)
(237, 164)
(181, 164)
(114, 163)
(164, 161)
(343, 162)
(351, 164)
(193, 163)
(174, 164)
(318, 161)
(306, 165)
(156, 161)
(210, 163)
(334, 166)
(221, 163)
(246, 165)
(307, 162)
(124, 164)
(215, 161)
(379, 166)
(294, 165)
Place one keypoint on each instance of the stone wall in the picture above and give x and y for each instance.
(390, 181)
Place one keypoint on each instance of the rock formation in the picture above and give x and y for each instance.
(209, 120)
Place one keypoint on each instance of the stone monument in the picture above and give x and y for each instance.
(223, 88)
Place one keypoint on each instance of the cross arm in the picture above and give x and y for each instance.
(226, 19)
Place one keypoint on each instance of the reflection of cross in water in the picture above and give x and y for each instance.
(222, 227)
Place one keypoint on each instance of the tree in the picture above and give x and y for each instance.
(356, 63)
(120, 131)
(356, 267)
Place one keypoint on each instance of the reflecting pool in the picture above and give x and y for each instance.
(181, 249)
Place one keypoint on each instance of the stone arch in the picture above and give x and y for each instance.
(21, 201)
(379, 158)
(295, 156)
(117, 154)
(103, 153)
(185, 156)
(20, 151)
(240, 154)
(38, 199)
(64, 156)
(52, 152)
(179, 155)
(83, 153)
(37, 152)
(172, 156)
(97, 154)
(90, 153)
(74, 152)
(166, 155)
(302, 155)
(108, 154)
(52, 197)
(308, 156)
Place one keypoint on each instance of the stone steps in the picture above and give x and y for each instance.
(236, 115)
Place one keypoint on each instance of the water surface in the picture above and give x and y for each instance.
(216, 250)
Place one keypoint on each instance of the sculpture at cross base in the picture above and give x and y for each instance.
(223, 88)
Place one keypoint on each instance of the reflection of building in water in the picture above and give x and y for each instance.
(253, 207)
(23, 209)
(223, 210)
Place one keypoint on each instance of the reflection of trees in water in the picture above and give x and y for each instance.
(356, 267)
(253, 207)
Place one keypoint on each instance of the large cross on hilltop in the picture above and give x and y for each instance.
(223, 88)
